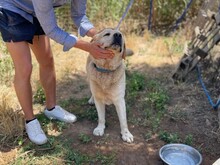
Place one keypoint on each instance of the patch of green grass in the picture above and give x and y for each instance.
(169, 137)
(103, 140)
(48, 124)
(77, 158)
(139, 121)
(90, 113)
(81, 108)
(39, 96)
(155, 122)
(73, 101)
(148, 135)
(20, 140)
(157, 96)
(135, 83)
(188, 139)
(84, 138)
(178, 113)
(174, 138)
(149, 98)
(106, 159)
(147, 112)
(59, 150)
(174, 46)
(158, 99)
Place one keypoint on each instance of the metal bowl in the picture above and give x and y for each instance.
(181, 154)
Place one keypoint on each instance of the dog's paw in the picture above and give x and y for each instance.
(127, 136)
(99, 131)
(91, 101)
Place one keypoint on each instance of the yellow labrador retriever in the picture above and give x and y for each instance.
(107, 81)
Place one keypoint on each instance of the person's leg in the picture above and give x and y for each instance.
(42, 50)
(21, 57)
(17, 32)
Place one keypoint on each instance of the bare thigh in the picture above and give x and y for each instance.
(42, 50)
(21, 57)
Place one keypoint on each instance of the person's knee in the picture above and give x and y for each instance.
(24, 72)
(48, 62)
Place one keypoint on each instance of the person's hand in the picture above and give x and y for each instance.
(91, 32)
(99, 53)
(94, 49)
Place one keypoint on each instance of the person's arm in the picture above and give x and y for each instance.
(46, 16)
(45, 13)
(91, 32)
(78, 15)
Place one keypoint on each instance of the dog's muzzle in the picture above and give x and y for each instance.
(117, 41)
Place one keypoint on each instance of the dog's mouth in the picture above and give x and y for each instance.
(116, 46)
(116, 43)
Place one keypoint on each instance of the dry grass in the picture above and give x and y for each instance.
(11, 125)
(154, 55)
(73, 63)
(155, 51)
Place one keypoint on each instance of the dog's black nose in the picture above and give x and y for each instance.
(117, 39)
(117, 36)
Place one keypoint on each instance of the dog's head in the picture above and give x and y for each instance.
(111, 39)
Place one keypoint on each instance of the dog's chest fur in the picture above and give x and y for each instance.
(105, 80)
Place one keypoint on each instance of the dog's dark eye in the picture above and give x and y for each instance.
(107, 34)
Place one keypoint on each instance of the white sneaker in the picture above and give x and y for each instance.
(35, 133)
(60, 114)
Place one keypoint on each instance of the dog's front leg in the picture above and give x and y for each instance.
(121, 111)
(99, 130)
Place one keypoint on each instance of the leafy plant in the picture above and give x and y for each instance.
(157, 96)
(158, 99)
(134, 83)
(169, 137)
(39, 96)
(76, 157)
(189, 139)
(90, 114)
(84, 138)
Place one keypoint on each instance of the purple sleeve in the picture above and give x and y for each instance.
(78, 14)
(45, 13)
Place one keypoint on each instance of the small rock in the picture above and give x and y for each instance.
(208, 123)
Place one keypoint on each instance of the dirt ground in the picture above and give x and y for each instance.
(188, 110)
(187, 100)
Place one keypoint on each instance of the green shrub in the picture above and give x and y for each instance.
(165, 13)
(134, 83)
(169, 137)
(158, 99)
(39, 96)
(84, 138)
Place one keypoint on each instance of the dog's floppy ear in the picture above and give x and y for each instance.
(124, 52)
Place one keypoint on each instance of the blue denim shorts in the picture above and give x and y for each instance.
(16, 28)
